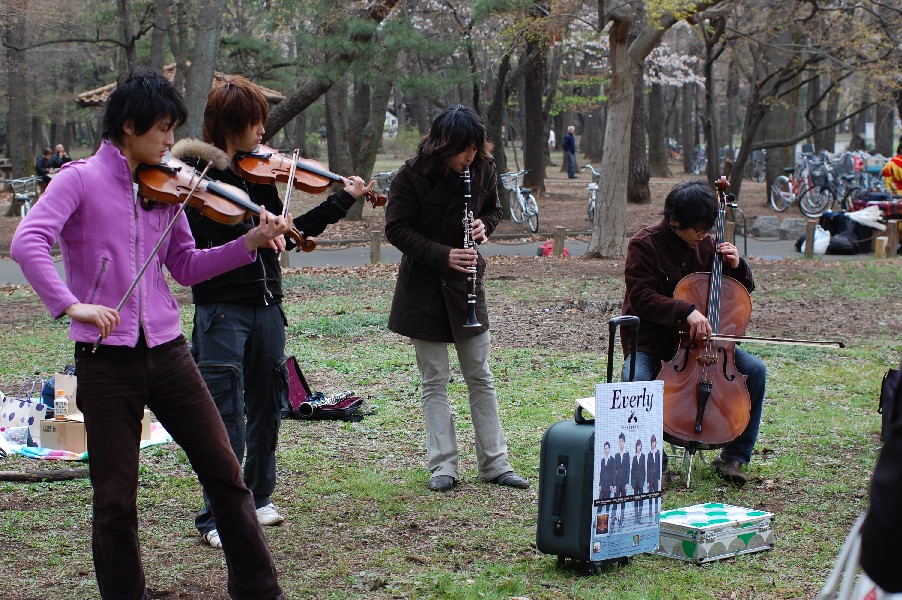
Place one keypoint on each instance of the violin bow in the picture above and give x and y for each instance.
(156, 249)
(772, 340)
(289, 188)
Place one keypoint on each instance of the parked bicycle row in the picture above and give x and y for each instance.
(819, 180)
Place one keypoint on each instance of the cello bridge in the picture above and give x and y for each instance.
(707, 359)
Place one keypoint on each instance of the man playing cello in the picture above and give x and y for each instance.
(657, 258)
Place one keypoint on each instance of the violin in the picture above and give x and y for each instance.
(706, 401)
(172, 182)
(267, 165)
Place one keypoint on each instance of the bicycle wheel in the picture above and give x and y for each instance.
(781, 194)
(516, 206)
(848, 198)
(814, 201)
(532, 213)
(590, 207)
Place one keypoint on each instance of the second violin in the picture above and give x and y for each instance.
(267, 165)
(172, 180)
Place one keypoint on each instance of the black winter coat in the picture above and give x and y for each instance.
(424, 220)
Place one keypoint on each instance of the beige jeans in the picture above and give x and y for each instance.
(441, 438)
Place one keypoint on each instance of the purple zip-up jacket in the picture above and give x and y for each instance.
(93, 209)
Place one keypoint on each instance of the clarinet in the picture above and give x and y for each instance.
(472, 321)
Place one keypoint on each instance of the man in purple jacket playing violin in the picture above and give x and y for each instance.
(107, 231)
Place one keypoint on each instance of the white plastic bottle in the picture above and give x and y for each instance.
(60, 406)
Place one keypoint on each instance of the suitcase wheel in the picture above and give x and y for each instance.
(560, 562)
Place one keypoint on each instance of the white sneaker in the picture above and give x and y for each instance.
(212, 538)
(268, 515)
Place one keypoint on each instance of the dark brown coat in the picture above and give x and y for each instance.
(656, 260)
(424, 220)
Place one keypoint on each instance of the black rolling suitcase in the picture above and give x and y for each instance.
(566, 477)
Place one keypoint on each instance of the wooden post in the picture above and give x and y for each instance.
(809, 238)
(559, 241)
(284, 261)
(892, 237)
(376, 247)
(880, 246)
(729, 232)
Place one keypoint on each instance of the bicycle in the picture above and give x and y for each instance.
(592, 189)
(520, 199)
(25, 191)
(383, 181)
(788, 189)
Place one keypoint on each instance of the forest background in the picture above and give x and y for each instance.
(651, 76)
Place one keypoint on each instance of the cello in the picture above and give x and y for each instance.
(706, 402)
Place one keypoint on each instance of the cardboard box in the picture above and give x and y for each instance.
(145, 425)
(64, 435)
(70, 434)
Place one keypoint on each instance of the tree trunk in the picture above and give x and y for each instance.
(178, 41)
(125, 30)
(883, 128)
(657, 145)
(816, 113)
(203, 60)
(610, 220)
(534, 123)
(18, 115)
(157, 57)
(687, 124)
(494, 122)
(637, 191)
(829, 117)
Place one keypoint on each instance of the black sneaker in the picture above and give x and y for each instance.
(441, 483)
(511, 479)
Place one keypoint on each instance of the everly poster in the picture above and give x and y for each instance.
(629, 444)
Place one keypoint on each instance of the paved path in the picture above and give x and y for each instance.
(326, 255)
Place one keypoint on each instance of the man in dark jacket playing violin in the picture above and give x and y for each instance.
(657, 258)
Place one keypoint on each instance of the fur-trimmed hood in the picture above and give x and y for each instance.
(194, 148)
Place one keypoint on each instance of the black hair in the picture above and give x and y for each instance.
(453, 131)
(621, 436)
(607, 445)
(143, 97)
(691, 203)
(899, 147)
(653, 439)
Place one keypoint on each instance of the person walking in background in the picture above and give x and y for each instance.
(892, 172)
(569, 148)
(239, 324)
(143, 359)
(423, 221)
(60, 157)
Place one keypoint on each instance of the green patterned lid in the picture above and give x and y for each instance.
(712, 513)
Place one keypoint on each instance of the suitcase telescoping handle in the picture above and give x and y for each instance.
(632, 322)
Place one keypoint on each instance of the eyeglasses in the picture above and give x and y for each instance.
(702, 229)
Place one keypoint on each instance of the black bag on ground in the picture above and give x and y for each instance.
(303, 403)
(888, 407)
(566, 479)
